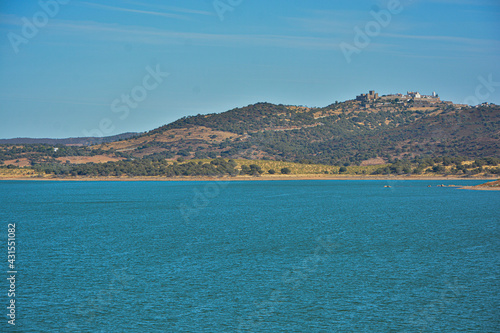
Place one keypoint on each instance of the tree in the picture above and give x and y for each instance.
(343, 169)
(272, 171)
(255, 170)
(438, 168)
(244, 170)
(286, 171)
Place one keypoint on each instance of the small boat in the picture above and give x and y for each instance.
(387, 186)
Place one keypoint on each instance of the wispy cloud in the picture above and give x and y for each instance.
(172, 8)
(448, 39)
(465, 2)
(332, 34)
(147, 35)
(319, 25)
(136, 11)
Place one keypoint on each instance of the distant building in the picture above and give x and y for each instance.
(371, 96)
(391, 96)
(413, 94)
(416, 95)
(410, 95)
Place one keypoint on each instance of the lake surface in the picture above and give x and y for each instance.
(277, 256)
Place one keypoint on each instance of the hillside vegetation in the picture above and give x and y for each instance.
(349, 132)
(353, 137)
(220, 167)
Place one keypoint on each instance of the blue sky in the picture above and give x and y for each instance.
(69, 77)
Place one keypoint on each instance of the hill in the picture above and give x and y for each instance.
(352, 132)
(398, 135)
(85, 141)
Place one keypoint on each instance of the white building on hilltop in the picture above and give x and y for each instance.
(417, 95)
(413, 94)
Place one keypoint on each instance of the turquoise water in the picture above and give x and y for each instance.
(281, 256)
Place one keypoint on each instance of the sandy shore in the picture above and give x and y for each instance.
(479, 188)
(490, 186)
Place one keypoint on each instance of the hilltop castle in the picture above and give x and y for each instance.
(410, 95)
(371, 96)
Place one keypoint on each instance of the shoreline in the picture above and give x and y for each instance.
(489, 186)
(478, 188)
(249, 178)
